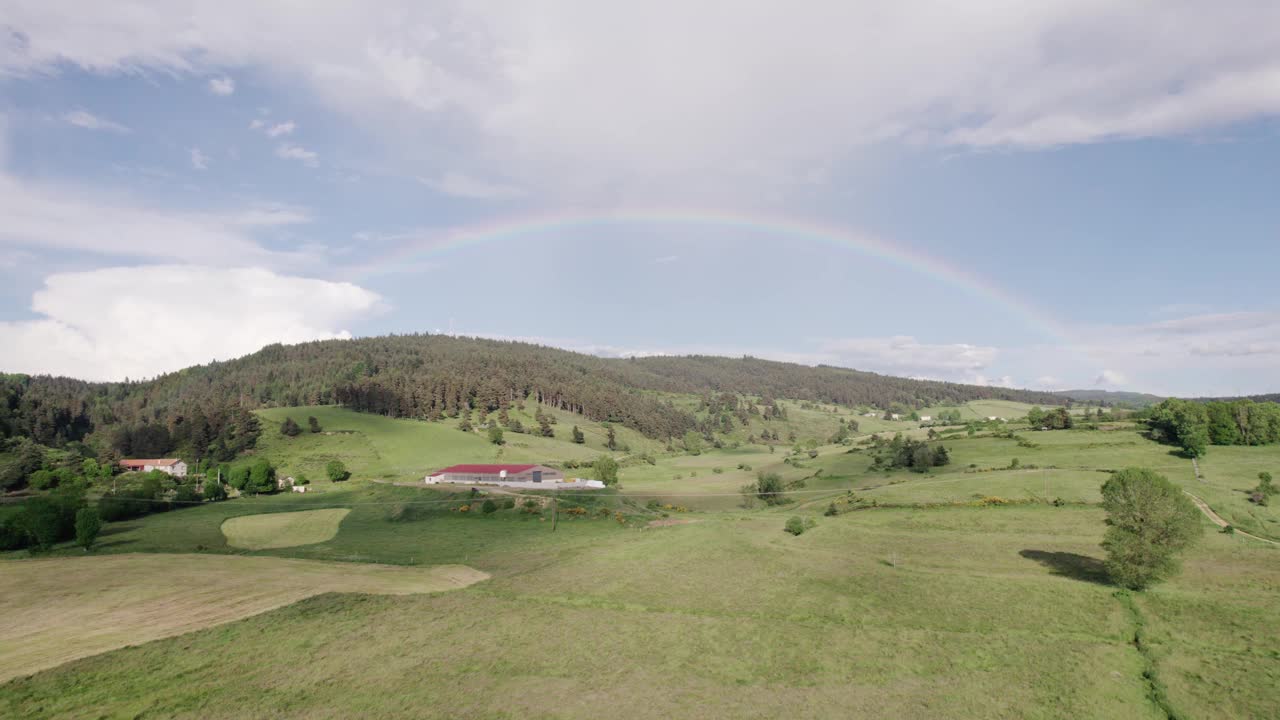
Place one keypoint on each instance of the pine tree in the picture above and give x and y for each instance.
(578, 437)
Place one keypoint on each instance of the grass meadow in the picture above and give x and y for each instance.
(924, 607)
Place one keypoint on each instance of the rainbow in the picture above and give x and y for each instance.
(451, 239)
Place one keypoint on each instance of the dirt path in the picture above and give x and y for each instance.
(1217, 519)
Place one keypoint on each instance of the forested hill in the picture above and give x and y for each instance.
(431, 376)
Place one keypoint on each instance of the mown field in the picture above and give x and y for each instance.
(932, 608)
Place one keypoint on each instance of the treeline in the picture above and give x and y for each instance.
(1194, 426)
(432, 377)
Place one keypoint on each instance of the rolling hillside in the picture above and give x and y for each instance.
(433, 376)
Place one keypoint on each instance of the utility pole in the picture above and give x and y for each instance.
(555, 510)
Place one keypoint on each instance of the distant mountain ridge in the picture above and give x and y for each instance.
(433, 376)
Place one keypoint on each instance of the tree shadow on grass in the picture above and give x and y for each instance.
(116, 528)
(1072, 565)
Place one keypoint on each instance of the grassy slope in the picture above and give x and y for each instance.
(902, 613)
(966, 612)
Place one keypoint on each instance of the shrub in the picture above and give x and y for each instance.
(1229, 529)
(88, 525)
(832, 510)
(289, 428)
(606, 470)
(488, 507)
(717, 470)
(795, 525)
(508, 504)
(214, 490)
(313, 424)
(186, 495)
(336, 471)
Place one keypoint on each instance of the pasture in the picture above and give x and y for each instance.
(56, 610)
(906, 611)
(967, 612)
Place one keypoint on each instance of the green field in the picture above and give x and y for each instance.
(285, 529)
(906, 613)
(926, 606)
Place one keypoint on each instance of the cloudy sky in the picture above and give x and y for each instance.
(1058, 194)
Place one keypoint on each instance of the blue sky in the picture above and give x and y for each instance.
(185, 181)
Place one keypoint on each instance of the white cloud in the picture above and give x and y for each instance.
(45, 216)
(279, 129)
(222, 85)
(138, 322)
(1110, 378)
(904, 355)
(89, 121)
(289, 151)
(666, 259)
(572, 93)
(199, 160)
(465, 186)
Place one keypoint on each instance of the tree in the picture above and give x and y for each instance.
(795, 525)
(336, 471)
(611, 437)
(262, 477)
(693, 443)
(769, 488)
(495, 434)
(1149, 521)
(289, 428)
(544, 427)
(606, 470)
(214, 490)
(578, 437)
(1035, 417)
(313, 424)
(88, 525)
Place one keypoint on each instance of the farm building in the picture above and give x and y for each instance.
(172, 466)
(531, 476)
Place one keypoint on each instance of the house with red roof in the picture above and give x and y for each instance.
(484, 474)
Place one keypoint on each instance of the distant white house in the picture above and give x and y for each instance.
(870, 414)
(995, 418)
(895, 416)
(172, 466)
(926, 418)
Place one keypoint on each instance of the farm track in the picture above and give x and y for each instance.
(1216, 519)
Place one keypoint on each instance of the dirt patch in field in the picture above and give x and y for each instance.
(60, 609)
(668, 522)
